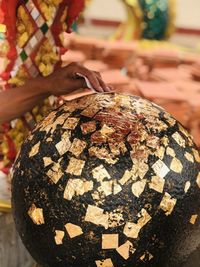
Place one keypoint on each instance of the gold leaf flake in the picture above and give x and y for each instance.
(167, 204)
(77, 147)
(73, 230)
(36, 214)
(34, 150)
(189, 157)
(102, 153)
(75, 166)
(71, 123)
(55, 173)
(160, 168)
(59, 237)
(47, 161)
(106, 188)
(126, 249)
(127, 176)
(196, 155)
(160, 152)
(110, 241)
(139, 168)
(138, 187)
(165, 141)
(144, 218)
(99, 173)
(152, 141)
(146, 257)
(104, 263)
(106, 130)
(179, 139)
(116, 188)
(170, 151)
(198, 179)
(131, 230)
(176, 165)
(88, 127)
(157, 184)
(77, 187)
(64, 145)
(91, 111)
(115, 218)
(117, 148)
(193, 219)
(187, 186)
(96, 216)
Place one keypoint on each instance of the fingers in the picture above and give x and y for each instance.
(93, 79)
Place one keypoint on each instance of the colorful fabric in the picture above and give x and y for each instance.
(30, 45)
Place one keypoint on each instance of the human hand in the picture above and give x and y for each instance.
(72, 77)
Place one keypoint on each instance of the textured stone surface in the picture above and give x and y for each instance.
(108, 164)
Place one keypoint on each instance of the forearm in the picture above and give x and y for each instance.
(15, 102)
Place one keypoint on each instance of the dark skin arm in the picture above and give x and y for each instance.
(15, 102)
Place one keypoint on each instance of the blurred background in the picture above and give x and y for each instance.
(149, 48)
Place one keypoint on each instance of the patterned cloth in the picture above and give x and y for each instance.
(30, 45)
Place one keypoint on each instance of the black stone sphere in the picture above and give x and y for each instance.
(108, 180)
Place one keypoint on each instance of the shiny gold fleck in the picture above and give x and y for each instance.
(71, 123)
(88, 127)
(198, 180)
(110, 241)
(196, 155)
(138, 187)
(34, 150)
(176, 165)
(153, 141)
(102, 153)
(116, 188)
(131, 230)
(160, 168)
(179, 139)
(189, 157)
(165, 141)
(47, 161)
(146, 257)
(104, 263)
(139, 168)
(117, 148)
(55, 173)
(100, 173)
(144, 218)
(91, 111)
(126, 250)
(36, 214)
(116, 218)
(96, 216)
(187, 186)
(77, 147)
(77, 187)
(167, 204)
(170, 152)
(160, 152)
(73, 230)
(64, 145)
(193, 219)
(59, 237)
(75, 166)
(106, 188)
(157, 183)
(106, 130)
(126, 177)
